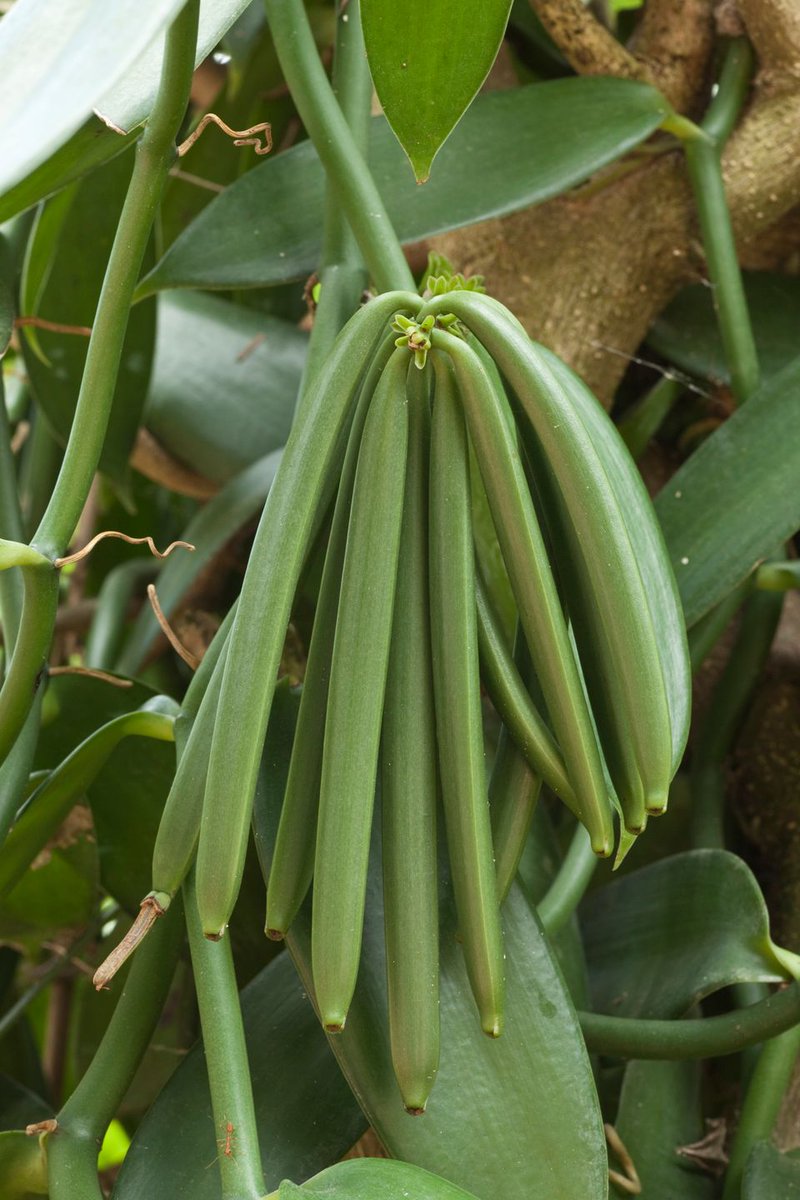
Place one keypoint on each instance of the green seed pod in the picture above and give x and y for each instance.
(257, 636)
(355, 697)
(409, 788)
(514, 704)
(621, 592)
(456, 679)
(513, 793)
(534, 588)
(293, 861)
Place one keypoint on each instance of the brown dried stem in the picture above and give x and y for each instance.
(115, 533)
(169, 633)
(149, 912)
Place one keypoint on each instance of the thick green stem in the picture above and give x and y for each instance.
(72, 1150)
(705, 1037)
(342, 275)
(11, 529)
(330, 133)
(155, 154)
(568, 888)
(771, 1078)
(226, 1059)
(728, 705)
(703, 159)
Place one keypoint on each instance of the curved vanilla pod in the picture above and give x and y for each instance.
(293, 859)
(355, 696)
(259, 629)
(409, 787)
(456, 680)
(514, 704)
(534, 588)
(513, 794)
(622, 594)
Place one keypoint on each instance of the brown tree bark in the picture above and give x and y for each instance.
(588, 272)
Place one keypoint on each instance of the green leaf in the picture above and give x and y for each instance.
(513, 149)
(76, 705)
(427, 66)
(770, 1175)
(687, 331)
(377, 1179)
(736, 498)
(224, 383)
(88, 61)
(660, 939)
(660, 1110)
(306, 1115)
(68, 294)
(57, 65)
(549, 1140)
(19, 1106)
(6, 295)
(23, 1166)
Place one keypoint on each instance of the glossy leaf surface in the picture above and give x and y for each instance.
(550, 1139)
(68, 294)
(687, 331)
(736, 498)
(662, 938)
(306, 1115)
(427, 67)
(770, 1175)
(224, 383)
(375, 1179)
(513, 149)
(107, 63)
(58, 63)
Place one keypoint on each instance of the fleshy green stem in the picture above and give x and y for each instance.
(225, 1051)
(342, 276)
(771, 1077)
(703, 159)
(568, 888)
(155, 154)
(704, 1037)
(728, 705)
(344, 165)
(72, 1150)
(10, 528)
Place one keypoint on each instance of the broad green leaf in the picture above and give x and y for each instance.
(660, 939)
(513, 149)
(88, 61)
(23, 1165)
(375, 1179)
(770, 1175)
(58, 63)
(526, 1101)
(427, 66)
(19, 1106)
(736, 498)
(75, 706)
(660, 1110)
(57, 895)
(687, 331)
(236, 504)
(64, 283)
(224, 383)
(306, 1115)
(126, 799)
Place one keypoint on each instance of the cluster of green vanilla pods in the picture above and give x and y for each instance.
(599, 711)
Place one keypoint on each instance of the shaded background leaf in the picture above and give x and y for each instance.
(511, 150)
(770, 1175)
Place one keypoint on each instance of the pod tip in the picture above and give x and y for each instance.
(334, 1025)
(415, 1110)
(276, 935)
(214, 935)
(493, 1027)
(657, 803)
